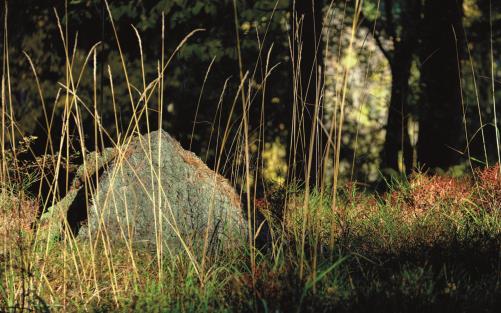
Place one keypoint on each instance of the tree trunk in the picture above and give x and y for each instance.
(397, 141)
(441, 131)
(307, 70)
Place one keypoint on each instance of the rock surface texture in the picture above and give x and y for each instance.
(151, 190)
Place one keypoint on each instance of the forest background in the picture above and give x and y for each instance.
(421, 93)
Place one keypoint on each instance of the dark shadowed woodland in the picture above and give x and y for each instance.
(250, 156)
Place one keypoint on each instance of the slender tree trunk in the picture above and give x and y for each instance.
(397, 143)
(397, 152)
(441, 130)
(307, 64)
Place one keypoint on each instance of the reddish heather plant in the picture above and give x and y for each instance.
(359, 202)
(262, 204)
(428, 192)
(277, 286)
(487, 193)
(17, 217)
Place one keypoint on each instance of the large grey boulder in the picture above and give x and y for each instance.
(150, 191)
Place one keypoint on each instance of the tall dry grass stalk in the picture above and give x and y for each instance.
(347, 56)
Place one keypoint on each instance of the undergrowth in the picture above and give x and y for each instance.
(431, 243)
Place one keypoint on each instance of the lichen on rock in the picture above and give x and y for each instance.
(153, 191)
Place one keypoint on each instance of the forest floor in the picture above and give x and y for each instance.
(429, 244)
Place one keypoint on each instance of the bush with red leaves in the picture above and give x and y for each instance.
(432, 191)
(427, 193)
(488, 188)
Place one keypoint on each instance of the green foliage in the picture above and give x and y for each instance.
(40, 38)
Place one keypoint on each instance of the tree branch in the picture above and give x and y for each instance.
(376, 33)
(387, 54)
